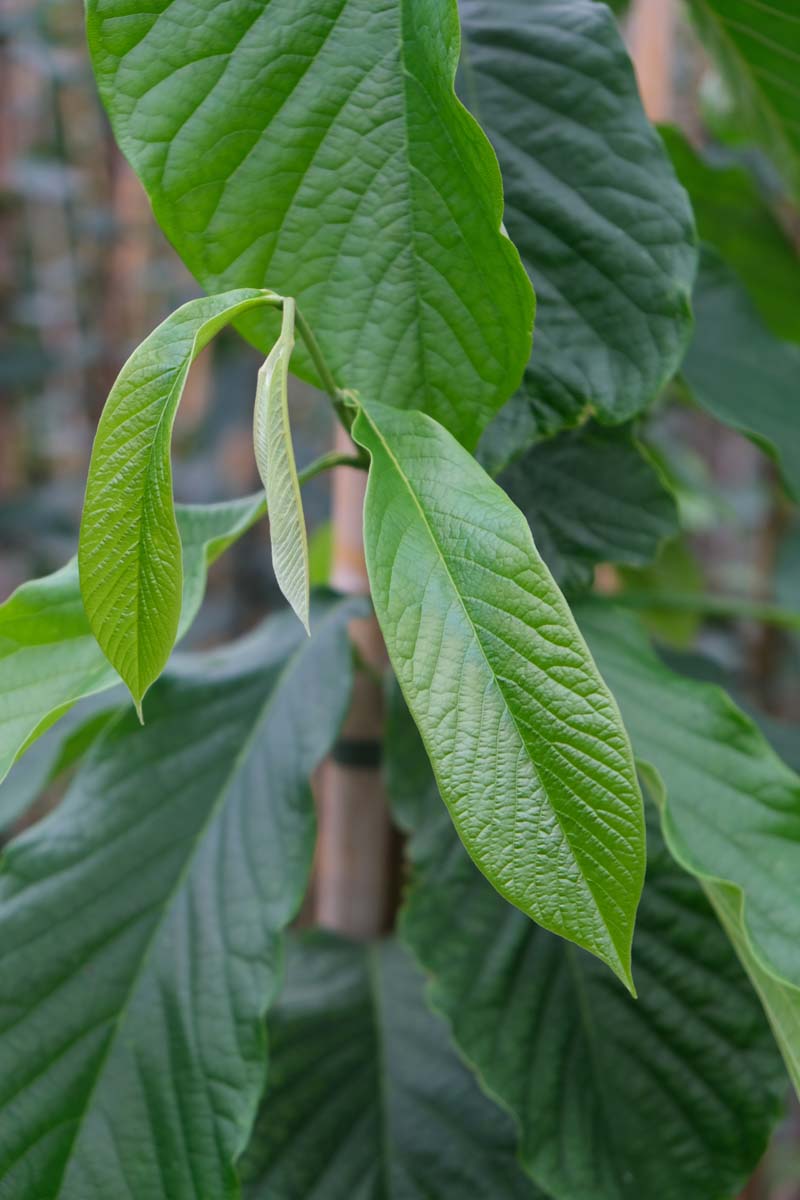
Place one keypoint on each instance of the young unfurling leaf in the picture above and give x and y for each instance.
(272, 441)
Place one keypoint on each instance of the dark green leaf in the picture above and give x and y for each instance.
(602, 225)
(733, 217)
(756, 44)
(316, 146)
(592, 496)
(731, 808)
(48, 653)
(531, 756)
(130, 547)
(741, 373)
(671, 1097)
(144, 918)
(368, 1098)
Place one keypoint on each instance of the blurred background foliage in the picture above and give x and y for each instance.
(85, 274)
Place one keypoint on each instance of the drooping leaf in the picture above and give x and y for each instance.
(591, 496)
(144, 918)
(317, 146)
(48, 653)
(730, 808)
(592, 202)
(130, 549)
(367, 1095)
(757, 47)
(272, 440)
(531, 757)
(671, 1096)
(741, 373)
(733, 217)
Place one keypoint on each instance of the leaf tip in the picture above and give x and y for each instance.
(137, 704)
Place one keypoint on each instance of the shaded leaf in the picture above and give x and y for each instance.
(743, 375)
(145, 915)
(602, 224)
(317, 146)
(734, 218)
(531, 757)
(48, 652)
(367, 1096)
(272, 439)
(130, 549)
(730, 807)
(591, 496)
(757, 48)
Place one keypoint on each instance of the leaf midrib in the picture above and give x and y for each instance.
(169, 899)
(494, 677)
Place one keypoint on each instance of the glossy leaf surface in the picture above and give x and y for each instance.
(48, 654)
(531, 756)
(593, 205)
(671, 1096)
(145, 915)
(130, 549)
(368, 1097)
(317, 147)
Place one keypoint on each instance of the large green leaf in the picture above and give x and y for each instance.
(130, 548)
(731, 808)
(48, 653)
(140, 925)
(368, 1098)
(670, 1097)
(740, 372)
(527, 744)
(272, 441)
(757, 46)
(592, 202)
(317, 147)
(591, 496)
(734, 218)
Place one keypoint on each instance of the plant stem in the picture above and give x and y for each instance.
(332, 459)
(731, 607)
(323, 370)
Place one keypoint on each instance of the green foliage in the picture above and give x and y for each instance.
(272, 441)
(367, 1097)
(731, 808)
(592, 496)
(602, 226)
(672, 1095)
(317, 147)
(525, 739)
(757, 47)
(741, 373)
(130, 547)
(50, 658)
(179, 854)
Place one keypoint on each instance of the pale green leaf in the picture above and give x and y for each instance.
(669, 1097)
(130, 551)
(145, 916)
(49, 657)
(603, 226)
(741, 372)
(592, 496)
(756, 44)
(317, 146)
(734, 218)
(272, 440)
(367, 1097)
(527, 744)
(731, 808)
